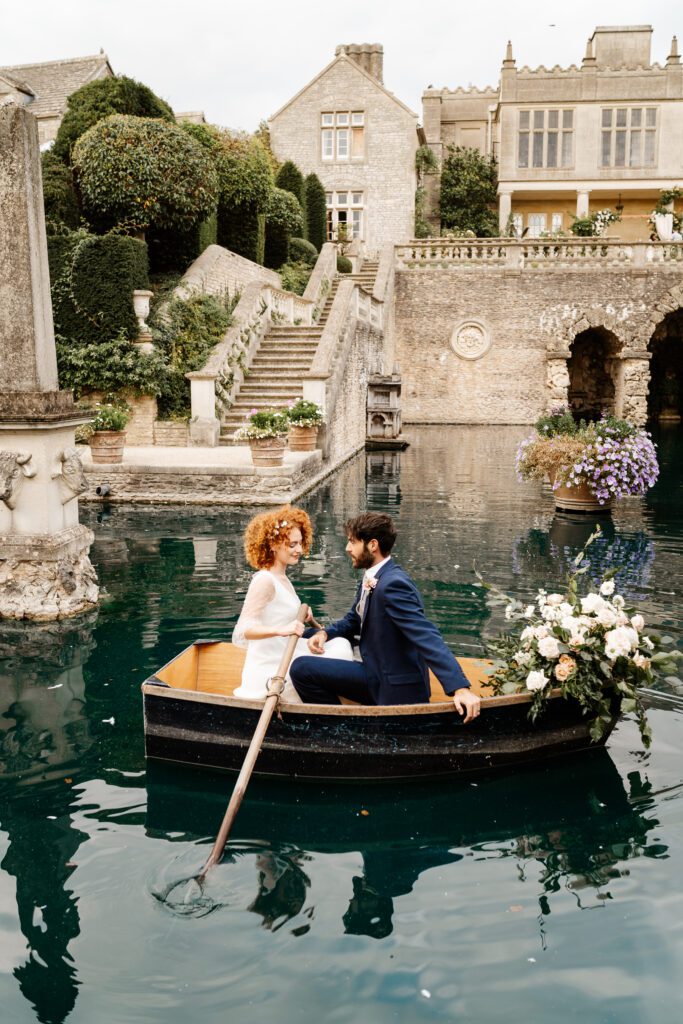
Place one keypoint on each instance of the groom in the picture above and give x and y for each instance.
(397, 641)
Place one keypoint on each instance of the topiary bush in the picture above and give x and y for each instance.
(316, 211)
(284, 217)
(59, 194)
(245, 179)
(93, 279)
(344, 265)
(290, 178)
(302, 251)
(97, 100)
(175, 250)
(133, 172)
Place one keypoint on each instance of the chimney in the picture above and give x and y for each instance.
(368, 56)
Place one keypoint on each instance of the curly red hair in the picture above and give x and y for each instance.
(268, 529)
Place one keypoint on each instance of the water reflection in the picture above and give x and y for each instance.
(578, 819)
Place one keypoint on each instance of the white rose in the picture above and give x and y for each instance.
(528, 633)
(646, 642)
(641, 661)
(529, 611)
(577, 639)
(569, 623)
(565, 609)
(622, 620)
(522, 658)
(607, 588)
(620, 642)
(554, 599)
(591, 604)
(550, 614)
(618, 601)
(606, 617)
(540, 632)
(548, 647)
(536, 681)
(638, 622)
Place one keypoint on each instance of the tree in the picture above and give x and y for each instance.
(284, 218)
(316, 211)
(133, 172)
(290, 178)
(469, 183)
(245, 181)
(97, 100)
(59, 194)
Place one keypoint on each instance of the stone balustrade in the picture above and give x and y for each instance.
(321, 279)
(516, 255)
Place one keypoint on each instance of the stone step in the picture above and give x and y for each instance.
(273, 365)
(284, 377)
(285, 330)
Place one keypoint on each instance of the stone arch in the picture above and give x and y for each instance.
(597, 336)
(670, 302)
(665, 345)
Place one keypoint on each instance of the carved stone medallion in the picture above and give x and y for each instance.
(470, 339)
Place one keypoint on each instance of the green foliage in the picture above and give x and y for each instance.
(426, 161)
(263, 423)
(290, 178)
(302, 251)
(469, 183)
(97, 100)
(316, 211)
(557, 421)
(305, 414)
(59, 194)
(422, 227)
(110, 417)
(111, 365)
(284, 217)
(344, 265)
(185, 331)
(295, 277)
(133, 172)
(176, 250)
(93, 279)
(242, 229)
(245, 175)
(583, 227)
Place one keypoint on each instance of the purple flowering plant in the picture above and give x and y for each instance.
(613, 457)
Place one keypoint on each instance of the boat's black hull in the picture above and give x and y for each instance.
(356, 747)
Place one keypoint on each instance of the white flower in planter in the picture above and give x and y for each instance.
(591, 604)
(607, 588)
(548, 647)
(536, 681)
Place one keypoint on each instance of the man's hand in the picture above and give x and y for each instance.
(316, 643)
(466, 703)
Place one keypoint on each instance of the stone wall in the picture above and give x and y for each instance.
(514, 332)
(219, 270)
(143, 413)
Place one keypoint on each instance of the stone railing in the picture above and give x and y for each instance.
(218, 271)
(536, 253)
(212, 389)
(321, 279)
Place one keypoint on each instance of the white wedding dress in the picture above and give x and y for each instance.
(271, 603)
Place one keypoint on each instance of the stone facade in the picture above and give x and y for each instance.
(529, 322)
(370, 173)
(569, 141)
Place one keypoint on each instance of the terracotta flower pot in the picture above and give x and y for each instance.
(106, 446)
(302, 439)
(579, 499)
(267, 451)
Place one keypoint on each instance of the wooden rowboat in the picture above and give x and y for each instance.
(191, 716)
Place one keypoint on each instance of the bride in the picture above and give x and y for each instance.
(274, 541)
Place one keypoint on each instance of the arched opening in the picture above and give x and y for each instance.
(665, 397)
(592, 373)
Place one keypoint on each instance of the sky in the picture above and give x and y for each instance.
(240, 62)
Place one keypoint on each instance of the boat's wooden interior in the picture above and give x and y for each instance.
(217, 668)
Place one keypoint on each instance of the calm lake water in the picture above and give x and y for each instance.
(554, 895)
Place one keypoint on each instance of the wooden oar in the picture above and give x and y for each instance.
(275, 687)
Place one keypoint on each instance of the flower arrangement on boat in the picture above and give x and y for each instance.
(613, 457)
(582, 645)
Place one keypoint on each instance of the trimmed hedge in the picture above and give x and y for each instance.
(97, 100)
(284, 217)
(242, 229)
(93, 279)
(175, 250)
(302, 251)
(316, 211)
(59, 194)
(344, 265)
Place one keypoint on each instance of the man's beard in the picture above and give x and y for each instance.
(365, 560)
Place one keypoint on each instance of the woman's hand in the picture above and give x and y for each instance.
(293, 629)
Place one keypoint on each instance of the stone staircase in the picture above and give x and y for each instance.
(283, 359)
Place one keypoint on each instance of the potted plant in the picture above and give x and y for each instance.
(588, 464)
(107, 432)
(304, 420)
(592, 648)
(265, 430)
(593, 225)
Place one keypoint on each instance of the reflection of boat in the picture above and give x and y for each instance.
(191, 716)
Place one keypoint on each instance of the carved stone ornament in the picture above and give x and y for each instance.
(470, 339)
(14, 466)
(71, 475)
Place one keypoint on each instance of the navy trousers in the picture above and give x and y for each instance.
(324, 680)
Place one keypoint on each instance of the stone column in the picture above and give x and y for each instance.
(45, 572)
(557, 378)
(504, 211)
(583, 202)
(635, 385)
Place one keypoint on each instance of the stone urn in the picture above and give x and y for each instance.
(267, 451)
(302, 439)
(106, 446)
(579, 499)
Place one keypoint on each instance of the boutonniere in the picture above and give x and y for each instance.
(370, 583)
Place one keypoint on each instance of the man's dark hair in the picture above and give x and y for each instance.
(373, 526)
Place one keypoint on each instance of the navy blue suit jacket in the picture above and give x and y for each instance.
(398, 643)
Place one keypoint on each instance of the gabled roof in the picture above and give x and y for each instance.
(14, 83)
(54, 81)
(356, 67)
